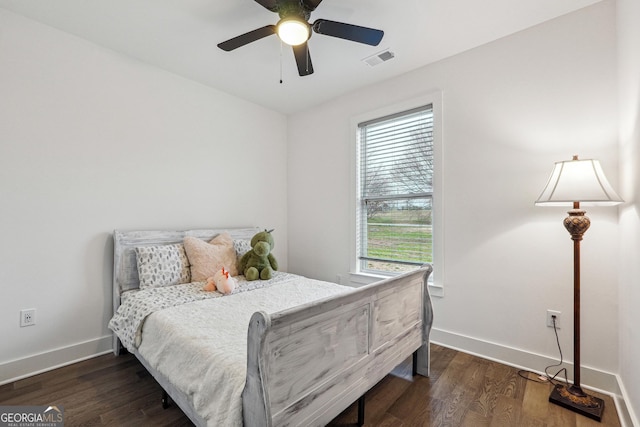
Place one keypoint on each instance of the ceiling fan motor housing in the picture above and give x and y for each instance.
(289, 8)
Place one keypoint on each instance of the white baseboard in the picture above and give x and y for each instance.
(628, 417)
(593, 379)
(38, 363)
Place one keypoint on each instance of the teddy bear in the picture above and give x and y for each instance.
(259, 262)
(221, 281)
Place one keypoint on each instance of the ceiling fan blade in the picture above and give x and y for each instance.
(272, 5)
(311, 4)
(303, 59)
(247, 38)
(351, 32)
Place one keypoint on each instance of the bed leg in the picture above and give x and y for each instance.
(165, 400)
(414, 369)
(361, 411)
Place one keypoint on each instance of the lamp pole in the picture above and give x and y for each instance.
(573, 397)
(577, 223)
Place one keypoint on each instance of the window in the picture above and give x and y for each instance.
(394, 224)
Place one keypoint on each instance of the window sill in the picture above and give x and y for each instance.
(360, 279)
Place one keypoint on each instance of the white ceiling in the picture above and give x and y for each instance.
(181, 36)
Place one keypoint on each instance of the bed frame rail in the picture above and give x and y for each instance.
(309, 363)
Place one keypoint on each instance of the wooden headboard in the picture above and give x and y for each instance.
(125, 268)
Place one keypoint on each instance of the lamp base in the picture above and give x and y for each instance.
(574, 399)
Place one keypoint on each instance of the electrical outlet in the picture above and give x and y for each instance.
(27, 317)
(550, 315)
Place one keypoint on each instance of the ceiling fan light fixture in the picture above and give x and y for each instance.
(293, 31)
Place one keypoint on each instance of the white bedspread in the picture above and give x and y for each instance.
(137, 305)
(201, 346)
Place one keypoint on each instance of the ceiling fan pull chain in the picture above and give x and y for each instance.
(280, 61)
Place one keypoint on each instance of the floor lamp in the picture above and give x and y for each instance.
(573, 182)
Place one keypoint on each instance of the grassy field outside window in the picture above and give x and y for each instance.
(399, 235)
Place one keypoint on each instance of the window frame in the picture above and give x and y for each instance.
(436, 280)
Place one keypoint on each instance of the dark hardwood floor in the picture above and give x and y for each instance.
(463, 390)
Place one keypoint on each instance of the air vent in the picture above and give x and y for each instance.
(379, 58)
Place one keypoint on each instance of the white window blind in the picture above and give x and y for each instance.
(396, 190)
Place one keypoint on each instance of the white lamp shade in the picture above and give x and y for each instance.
(578, 181)
(293, 31)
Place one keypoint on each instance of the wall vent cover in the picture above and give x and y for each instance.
(379, 58)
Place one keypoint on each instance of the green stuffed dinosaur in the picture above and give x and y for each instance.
(259, 262)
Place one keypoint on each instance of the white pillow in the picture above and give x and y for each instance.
(163, 265)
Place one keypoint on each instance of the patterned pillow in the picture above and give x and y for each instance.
(162, 265)
(207, 258)
(242, 246)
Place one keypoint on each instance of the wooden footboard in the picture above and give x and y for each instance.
(309, 363)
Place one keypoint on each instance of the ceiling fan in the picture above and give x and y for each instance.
(294, 30)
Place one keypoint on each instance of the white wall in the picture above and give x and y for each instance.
(511, 109)
(92, 141)
(629, 89)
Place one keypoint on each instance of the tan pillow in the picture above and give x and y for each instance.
(207, 258)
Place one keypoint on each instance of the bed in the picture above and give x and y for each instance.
(299, 351)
